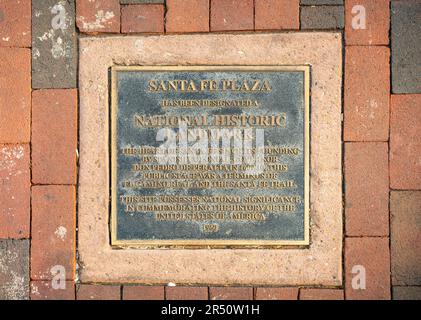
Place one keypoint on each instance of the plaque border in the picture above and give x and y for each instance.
(208, 243)
(321, 263)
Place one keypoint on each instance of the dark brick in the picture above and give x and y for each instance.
(406, 293)
(14, 269)
(406, 46)
(54, 49)
(322, 17)
(405, 220)
(405, 142)
(321, 2)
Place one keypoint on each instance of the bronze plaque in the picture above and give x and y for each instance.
(210, 156)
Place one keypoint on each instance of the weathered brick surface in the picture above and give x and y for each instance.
(54, 44)
(53, 231)
(44, 290)
(235, 15)
(148, 18)
(405, 212)
(187, 16)
(98, 292)
(405, 142)
(366, 94)
(366, 189)
(15, 191)
(322, 17)
(143, 293)
(14, 269)
(231, 293)
(54, 136)
(141, 1)
(277, 14)
(55, 133)
(15, 95)
(276, 293)
(15, 23)
(406, 293)
(186, 293)
(321, 2)
(98, 16)
(406, 46)
(375, 31)
(374, 256)
(321, 294)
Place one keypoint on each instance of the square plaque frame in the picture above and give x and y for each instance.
(209, 243)
(320, 263)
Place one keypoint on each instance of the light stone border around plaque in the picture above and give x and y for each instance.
(320, 264)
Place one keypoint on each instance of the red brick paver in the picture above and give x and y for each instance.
(369, 259)
(366, 94)
(321, 294)
(142, 18)
(54, 136)
(235, 15)
(276, 293)
(187, 16)
(405, 142)
(98, 16)
(15, 191)
(15, 95)
(15, 23)
(186, 293)
(98, 292)
(375, 31)
(53, 232)
(143, 293)
(277, 14)
(44, 290)
(230, 293)
(366, 189)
